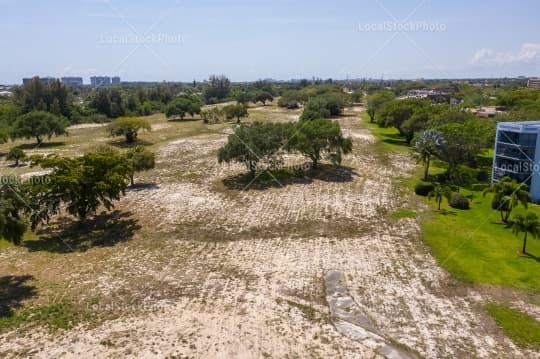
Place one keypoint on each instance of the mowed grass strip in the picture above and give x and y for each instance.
(520, 327)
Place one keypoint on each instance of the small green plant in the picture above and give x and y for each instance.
(440, 192)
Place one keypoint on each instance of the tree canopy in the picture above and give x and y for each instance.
(318, 139)
(39, 124)
(128, 127)
(13, 204)
(182, 106)
(237, 111)
(80, 185)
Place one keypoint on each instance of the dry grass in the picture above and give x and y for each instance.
(218, 272)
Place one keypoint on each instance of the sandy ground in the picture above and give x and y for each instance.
(230, 274)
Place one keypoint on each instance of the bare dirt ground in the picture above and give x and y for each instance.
(215, 272)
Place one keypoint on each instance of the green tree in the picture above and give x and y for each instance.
(218, 88)
(291, 99)
(16, 154)
(464, 142)
(255, 143)
(101, 102)
(263, 97)
(375, 102)
(81, 185)
(182, 106)
(12, 208)
(507, 195)
(213, 115)
(236, 111)
(36, 96)
(440, 192)
(38, 124)
(139, 159)
(128, 127)
(527, 224)
(428, 144)
(4, 134)
(320, 138)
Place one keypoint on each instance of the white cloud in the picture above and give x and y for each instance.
(528, 53)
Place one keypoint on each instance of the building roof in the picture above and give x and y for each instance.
(521, 126)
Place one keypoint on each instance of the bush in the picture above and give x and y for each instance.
(423, 188)
(483, 175)
(458, 201)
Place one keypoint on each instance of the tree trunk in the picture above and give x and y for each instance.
(237, 119)
(440, 200)
(39, 140)
(131, 180)
(426, 169)
(524, 250)
(130, 137)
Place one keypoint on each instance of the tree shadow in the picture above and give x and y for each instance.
(141, 186)
(303, 174)
(530, 256)
(446, 212)
(13, 291)
(186, 119)
(124, 144)
(35, 145)
(69, 235)
(395, 139)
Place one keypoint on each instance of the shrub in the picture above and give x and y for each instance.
(16, 154)
(458, 201)
(423, 188)
(482, 175)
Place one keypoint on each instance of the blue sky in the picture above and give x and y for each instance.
(182, 40)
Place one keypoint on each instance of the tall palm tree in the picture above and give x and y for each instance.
(507, 195)
(440, 192)
(528, 224)
(427, 145)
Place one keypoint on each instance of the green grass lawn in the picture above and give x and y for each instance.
(389, 137)
(521, 328)
(476, 248)
(470, 244)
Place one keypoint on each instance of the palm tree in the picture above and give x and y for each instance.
(427, 145)
(440, 192)
(528, 224)
(507, 195)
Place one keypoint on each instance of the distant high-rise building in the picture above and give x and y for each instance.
(100, 81)
(46, 80)
(72, 81)
(534, 83)
(116, 80)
